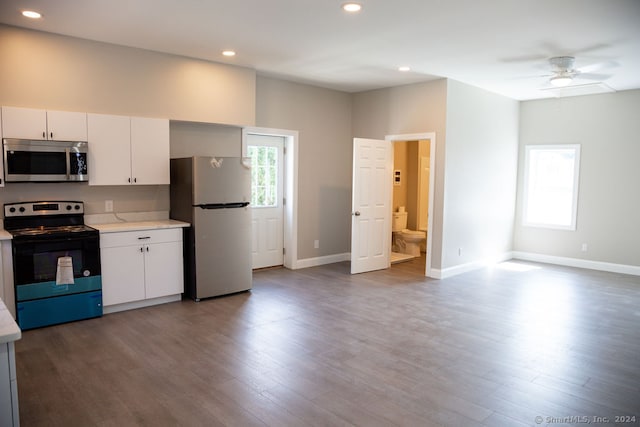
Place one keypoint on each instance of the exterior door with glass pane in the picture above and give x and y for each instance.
(267, 175)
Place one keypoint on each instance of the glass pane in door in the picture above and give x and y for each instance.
(264, 176)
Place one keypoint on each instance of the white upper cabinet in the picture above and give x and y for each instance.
(128, 150)
(1, 162)
(30, 123)
(109, 146)
(149, 150)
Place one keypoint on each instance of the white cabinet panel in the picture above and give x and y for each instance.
(128, 150)
(27, 123)
(31, 123)
(163, 269)
(66, 126)
(149, 150)
(139, 265)
(1, 160)
(122, 274)
(109, 149)
(9, 415)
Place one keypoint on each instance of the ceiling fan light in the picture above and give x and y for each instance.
(561, 81)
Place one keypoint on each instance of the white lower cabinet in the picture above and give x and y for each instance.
(9, 415)
(141, 265)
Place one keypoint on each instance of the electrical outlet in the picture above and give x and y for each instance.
(584, 247)
(108, 205)
(459, 251)
(316, 244)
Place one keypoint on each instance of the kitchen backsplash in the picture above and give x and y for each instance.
(126, 198)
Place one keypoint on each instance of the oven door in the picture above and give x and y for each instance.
(35, 261)
(26, 160)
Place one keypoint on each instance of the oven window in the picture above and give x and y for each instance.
(36, 260)
(45, 264)
(36, 163)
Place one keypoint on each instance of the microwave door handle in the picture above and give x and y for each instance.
(68, 155)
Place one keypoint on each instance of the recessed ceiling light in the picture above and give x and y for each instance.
(31, 14)
(352, 7)
(404, 69)
(229, 53)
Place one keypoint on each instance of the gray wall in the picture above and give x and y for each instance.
(476, 160)
(416, 108)
(322, 118)
(41, 70)
(480, 175)
(608, 129)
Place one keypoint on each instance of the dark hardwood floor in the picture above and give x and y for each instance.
(319, 347)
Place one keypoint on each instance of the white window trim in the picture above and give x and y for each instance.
(576, 181)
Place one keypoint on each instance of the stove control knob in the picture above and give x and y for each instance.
(77, 207)
(22, 209)
(12, 210)
(68, 207)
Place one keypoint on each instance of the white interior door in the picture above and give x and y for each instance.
(267, 176)
(371, 210)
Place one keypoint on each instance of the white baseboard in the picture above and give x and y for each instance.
(580, 263)
(470, 266)
(140, 304)
(314, 262)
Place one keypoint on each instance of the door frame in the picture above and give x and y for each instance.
(431, 136)
(290, 226)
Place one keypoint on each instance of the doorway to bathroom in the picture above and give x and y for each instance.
(412, 198)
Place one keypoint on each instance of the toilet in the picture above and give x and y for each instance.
(405, 240)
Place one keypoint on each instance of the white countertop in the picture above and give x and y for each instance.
(5, 235)
(115, 227)
(9, 330)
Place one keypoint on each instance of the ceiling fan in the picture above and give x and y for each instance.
(563, 71)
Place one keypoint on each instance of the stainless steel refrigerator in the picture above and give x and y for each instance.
(213, 195)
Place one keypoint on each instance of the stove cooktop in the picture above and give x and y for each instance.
(52, 231)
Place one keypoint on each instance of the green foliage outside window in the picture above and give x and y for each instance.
(264, 175)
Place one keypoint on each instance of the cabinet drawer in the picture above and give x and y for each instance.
(129, 238)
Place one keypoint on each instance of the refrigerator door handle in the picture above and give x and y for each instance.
(223, 205)
(237, 205)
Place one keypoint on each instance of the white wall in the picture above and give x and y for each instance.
(608, 129)
(480, 175)
(323, 119)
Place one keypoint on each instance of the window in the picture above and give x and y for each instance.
(264, 176)
(551, 186)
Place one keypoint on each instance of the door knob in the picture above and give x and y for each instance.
(357, 213)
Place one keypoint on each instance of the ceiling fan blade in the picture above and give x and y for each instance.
(593, 76)
(598, 66)
(532, 76)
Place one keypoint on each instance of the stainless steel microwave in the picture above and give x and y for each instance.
(41, 161)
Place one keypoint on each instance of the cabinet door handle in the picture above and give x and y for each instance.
(129, 179)
(51, 135)
(44, 134)
(141, 249)
(144, 238)
(135, 180)
(147, 248)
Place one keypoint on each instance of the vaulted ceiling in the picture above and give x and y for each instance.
(499, 45)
